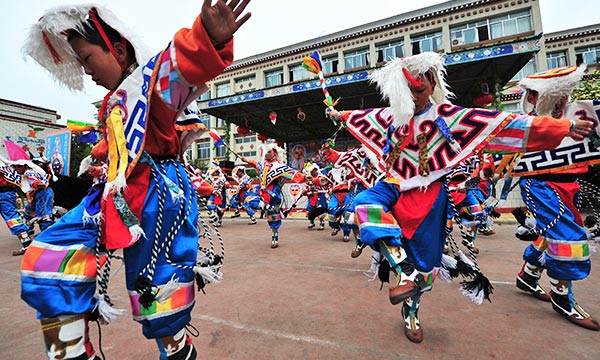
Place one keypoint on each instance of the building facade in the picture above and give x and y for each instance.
(26, 124)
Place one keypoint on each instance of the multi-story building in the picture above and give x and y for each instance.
(27, 124)
(488, 45)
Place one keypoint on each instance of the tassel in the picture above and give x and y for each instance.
(107, 312)
(448, 262)
(455, 146)
(519, 215)
(593, 248)
(166, 291)
(477, 289)
(444, 274)
(209, 274)
(374, 269)
(384, 271)
(144, 287)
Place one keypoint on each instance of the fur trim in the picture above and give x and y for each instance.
(549, 89)
(66, 69)
(107, 312)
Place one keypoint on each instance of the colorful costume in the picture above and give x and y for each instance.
(41, 199)
(316, 189)
(551, 194)
(216, 201)
(404, 216)
(10, 182)
(243, 191)
(273, 173)
(155, 220)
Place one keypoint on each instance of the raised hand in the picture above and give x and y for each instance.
(222, 19)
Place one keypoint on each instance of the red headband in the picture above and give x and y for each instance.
(112, 50)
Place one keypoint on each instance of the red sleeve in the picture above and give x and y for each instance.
(195, 56)
(546, 133)
(332, 156)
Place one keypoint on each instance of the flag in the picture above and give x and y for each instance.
(78, 126)
(15, 152)
(216, 137)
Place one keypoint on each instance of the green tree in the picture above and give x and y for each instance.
(79, 151)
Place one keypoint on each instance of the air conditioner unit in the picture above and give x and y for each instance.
(458, 41)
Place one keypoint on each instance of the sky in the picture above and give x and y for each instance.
(274, 24)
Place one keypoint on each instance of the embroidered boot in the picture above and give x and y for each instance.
(335, 231)
(321, 224)
(312, 224)
(528, 280)
(410, 313)
(177, 347)
(406, 285)
(358, 246)
(25, 240)
(67, 337)
(564, 304)
(252, 221)
(274, 240)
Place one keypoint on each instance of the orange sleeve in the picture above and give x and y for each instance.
(196, 57)
(332, 156)
(100, 151)
(546, 133)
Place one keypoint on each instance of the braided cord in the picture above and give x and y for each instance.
(531, 205)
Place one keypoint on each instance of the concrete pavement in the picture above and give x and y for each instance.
(308, 299)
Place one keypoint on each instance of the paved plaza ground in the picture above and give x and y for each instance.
(308, 299)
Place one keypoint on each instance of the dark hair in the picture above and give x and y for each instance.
(89, 32)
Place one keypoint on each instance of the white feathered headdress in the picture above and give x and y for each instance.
(265, 148)
(551, 86)
(394, 79)
(47, 41)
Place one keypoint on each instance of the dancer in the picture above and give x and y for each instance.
(422, 138)
(550, 195)
(216, 202)
(41, 199)
(11, 178)
(316, 189)
(155, 220)
(244, 188)
(273, 173)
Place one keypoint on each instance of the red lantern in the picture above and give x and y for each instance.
(273, 117)
(242, 130)
(262, 137)
(279, 143)
(483, 100)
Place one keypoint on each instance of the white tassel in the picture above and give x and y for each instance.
(597, 239)
(449, 262)
(136, 232)
(107, 312)
(374, 269)
(593, 249)
(455, 146)
(530, 222)
(474, 296)
(444, 275)
(465, 259)
(210, 274)
(542, 259)
(167, 290)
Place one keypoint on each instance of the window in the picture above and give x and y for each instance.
(357, 58)
(245, 84)
(330, 64)
(203, 149)
(588, 55)
(427, 42)
(205, 96)
(245, 139)
(505, 25)
(510, 24)
(513, 108)
(248, 153)
(389, 51)
(273, 78)
(220, 151)
(220, 123)
(223, 89)
(205, 118)
(556, 59)
(297, 72)
(529, 69)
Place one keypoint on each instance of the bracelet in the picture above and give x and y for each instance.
(572, 127)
